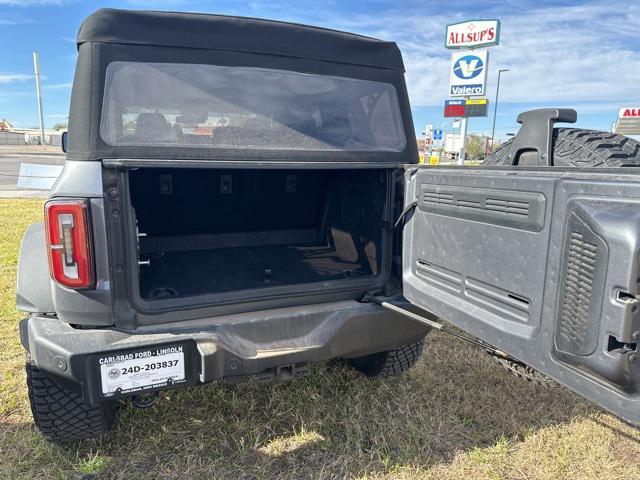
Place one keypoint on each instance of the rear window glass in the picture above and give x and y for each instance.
(174, 104)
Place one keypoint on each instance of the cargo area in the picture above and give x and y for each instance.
(208, 231)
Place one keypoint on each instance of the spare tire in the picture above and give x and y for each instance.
(575, 147)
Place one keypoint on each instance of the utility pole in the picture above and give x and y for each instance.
(36, 68)
(495, 106)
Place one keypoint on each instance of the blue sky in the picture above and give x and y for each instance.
(580, 54)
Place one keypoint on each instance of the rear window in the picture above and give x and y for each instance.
(174, 104)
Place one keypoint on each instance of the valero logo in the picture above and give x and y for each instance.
(468, 67)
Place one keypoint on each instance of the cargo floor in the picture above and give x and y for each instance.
(187, 273)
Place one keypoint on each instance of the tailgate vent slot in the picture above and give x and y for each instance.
(438, 197)
(581, 289)
(522, 210)
(578, 285)
(497, 205)
(509, 207)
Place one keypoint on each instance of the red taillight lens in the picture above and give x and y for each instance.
(69, 243)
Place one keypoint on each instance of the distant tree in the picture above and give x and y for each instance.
(60, 126)
(475, 147)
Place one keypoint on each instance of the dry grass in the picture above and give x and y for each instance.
(456, 415)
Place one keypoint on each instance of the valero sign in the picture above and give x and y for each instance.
(473, 34)
(468, 75)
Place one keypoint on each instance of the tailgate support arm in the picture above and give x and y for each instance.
(442, 328)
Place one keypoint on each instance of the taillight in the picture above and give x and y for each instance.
(69, 242)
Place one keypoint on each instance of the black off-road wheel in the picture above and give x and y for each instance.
(390, 362)
(62, 415)
(575, 147)
(572, 147)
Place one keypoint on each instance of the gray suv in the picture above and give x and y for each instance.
(242, 197)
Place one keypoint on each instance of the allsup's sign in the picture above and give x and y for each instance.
(472, 34)
(628, 122)
(627, 112)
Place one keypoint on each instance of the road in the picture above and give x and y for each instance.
(10, 161)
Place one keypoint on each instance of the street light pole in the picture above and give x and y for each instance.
(36, 69)
(495, 106)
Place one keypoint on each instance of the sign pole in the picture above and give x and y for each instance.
(463, 143)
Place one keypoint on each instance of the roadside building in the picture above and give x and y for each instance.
(12, 138)
(10, 135)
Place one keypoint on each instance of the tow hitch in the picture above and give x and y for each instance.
(145, 400)
(282, 373)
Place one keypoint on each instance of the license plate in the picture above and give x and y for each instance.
(131, 372)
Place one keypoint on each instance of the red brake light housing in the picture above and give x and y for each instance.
(69, 243)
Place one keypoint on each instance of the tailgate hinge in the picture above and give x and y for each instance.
(369, 296)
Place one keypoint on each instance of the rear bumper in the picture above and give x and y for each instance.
(236, 345)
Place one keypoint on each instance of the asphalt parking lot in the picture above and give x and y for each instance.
(10, 160)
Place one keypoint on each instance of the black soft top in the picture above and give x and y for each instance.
(241, 34)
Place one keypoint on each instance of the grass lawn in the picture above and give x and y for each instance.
(456, 415)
